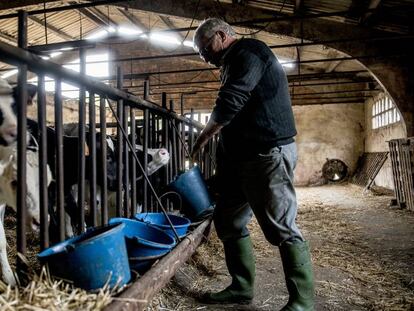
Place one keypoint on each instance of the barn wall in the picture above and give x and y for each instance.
(376, 141)
(333, 131)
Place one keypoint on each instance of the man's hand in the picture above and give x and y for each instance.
(209, 131)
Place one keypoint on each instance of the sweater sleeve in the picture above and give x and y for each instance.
(243, 72)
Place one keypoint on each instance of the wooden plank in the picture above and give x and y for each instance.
(140, 293)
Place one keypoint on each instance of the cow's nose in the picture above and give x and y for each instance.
(11, 131)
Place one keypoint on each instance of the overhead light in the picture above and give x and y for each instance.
(10, 73)
(129, 31)
(54, 54)
(164, 39)
(287, 63)
(111, 29)
(188, 43)
(97, 35)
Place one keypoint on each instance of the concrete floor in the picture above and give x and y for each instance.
(362, 250)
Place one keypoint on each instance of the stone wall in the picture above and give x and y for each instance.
(334, 131)
(376, 141)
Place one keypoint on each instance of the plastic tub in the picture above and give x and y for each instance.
(91, 259)
(159, 220)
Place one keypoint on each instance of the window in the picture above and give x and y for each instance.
(384, 113)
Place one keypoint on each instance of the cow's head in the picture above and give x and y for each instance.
(8, 119)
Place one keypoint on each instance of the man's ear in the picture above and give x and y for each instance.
(223, 35)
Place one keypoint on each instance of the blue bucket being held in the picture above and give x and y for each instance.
(192, 188)
(159, 220)
(92, 259)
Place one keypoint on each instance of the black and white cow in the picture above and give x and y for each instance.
(8, 174)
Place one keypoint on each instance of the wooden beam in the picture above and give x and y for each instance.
(133, 19)
(8, 38)
(52, 28)
(92, 17)
(167, 21)
(139, 294)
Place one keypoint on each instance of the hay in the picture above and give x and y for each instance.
(374, 283)
(46, 293)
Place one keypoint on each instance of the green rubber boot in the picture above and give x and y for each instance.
(299, 276)
(241, 265)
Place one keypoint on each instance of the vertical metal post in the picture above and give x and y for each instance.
(81, 146)
(165, 144)
(21, 141)
(174, 146)
(182, 104)
(92, 157)
(191, 136)
(183, 146)
(124, 121)
(145, 145)
(154, 135)
(43, 194)
(103, 181)
(133, 163)
(120, 110)
(59, 160)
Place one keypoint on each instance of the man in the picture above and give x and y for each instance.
(255, 162)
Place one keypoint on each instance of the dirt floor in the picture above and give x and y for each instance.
(362, 250)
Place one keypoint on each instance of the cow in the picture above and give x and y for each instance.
(8, 174)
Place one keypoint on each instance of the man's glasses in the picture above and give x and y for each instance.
(206, 49)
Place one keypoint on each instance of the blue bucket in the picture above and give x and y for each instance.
(144, 240)
(92, 259)
(159, 220)
(193, 191)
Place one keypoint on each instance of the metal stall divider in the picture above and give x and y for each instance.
(21, 144)
(119, 140)
(81, 146)
(42, 138)
(103, 181)
(92, 159)
(132, 117)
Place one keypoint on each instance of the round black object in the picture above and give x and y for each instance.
(334, 170)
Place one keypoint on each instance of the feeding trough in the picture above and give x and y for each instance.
(159, 220)
(92, 259)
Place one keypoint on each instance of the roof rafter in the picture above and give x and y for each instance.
(52, 28)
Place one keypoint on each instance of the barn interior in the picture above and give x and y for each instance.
(351, 83)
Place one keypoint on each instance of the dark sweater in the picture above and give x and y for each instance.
(253, 101)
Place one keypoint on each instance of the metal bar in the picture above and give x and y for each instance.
(119, 144)
(174, 147)
(165, 144)
(103, 181)
(92, 157)
(43, 182)
(141, 292)
(291, 77)
(273, 47)
(81, 146)
(191, 136)
(21, 143)
(183, 145)
(124, 121)
(145, 145)
(133, 164)
(60, 190)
